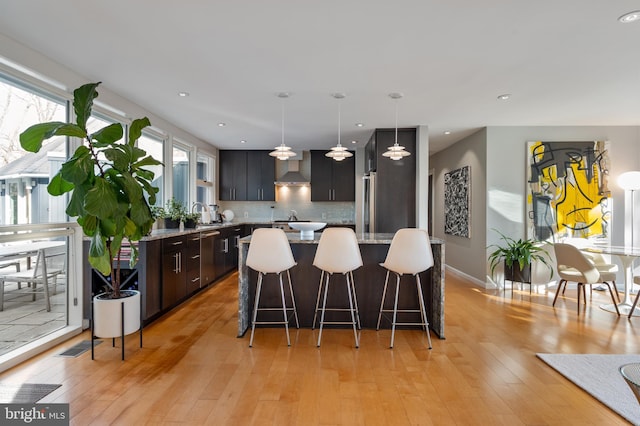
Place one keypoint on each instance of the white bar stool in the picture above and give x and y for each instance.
(338, 252)
(270, 253)
(409, 253)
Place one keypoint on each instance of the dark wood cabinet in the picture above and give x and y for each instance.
(150, 277)
(233, 175)
(192, 263)
(332, 180)
(395, 182)
(174, 271)
(247, 176)
(207, 257)
(261, 174)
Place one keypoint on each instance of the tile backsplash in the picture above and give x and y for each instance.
(289, 198)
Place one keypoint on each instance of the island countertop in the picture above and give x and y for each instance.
(369, 281)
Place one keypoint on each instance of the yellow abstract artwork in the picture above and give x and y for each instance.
(568, 192)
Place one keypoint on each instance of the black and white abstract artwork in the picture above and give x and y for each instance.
(457, 194)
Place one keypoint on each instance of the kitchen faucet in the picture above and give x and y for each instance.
(205, 217)
(292, 216)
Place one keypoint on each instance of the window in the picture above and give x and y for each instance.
(204, 179)
(180, 170)
(154, 146)
(24, 178)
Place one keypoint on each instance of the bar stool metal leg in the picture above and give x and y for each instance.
(355, 299)
(255, 308)
(324, 305)
(395, 310)
(284, 309)
(315, 313)
(293, 300)
(384, 295)
(351, 290)
(423, 310)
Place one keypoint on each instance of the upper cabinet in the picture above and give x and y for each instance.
(332, 180)
(261, 174)
(246, 176)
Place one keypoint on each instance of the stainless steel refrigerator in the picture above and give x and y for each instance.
(369, 203)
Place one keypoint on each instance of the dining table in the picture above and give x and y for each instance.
(26, 249)
(627, 255)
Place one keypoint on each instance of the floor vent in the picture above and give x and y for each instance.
(79, 349)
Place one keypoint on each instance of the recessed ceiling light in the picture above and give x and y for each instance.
(221, 124)
(630, 17)
(504, 97)
(359, 124)
(447, 132)
(354, 141)
(243, 141)
(183, 94)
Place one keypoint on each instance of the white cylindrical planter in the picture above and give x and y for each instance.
(107, 314)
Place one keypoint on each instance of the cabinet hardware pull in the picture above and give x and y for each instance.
(177, 243)
(211, 234)
(179, 262)
(195, 257)
(195, 238)
(195, 279)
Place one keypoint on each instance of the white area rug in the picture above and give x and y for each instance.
(599, 376)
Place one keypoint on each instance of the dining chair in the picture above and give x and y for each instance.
(599, 261)
(270, 253)
(338, 252)
(574, 266)
(409, 254)
(50, 264)
(636, 280)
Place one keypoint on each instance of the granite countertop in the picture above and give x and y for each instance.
(159, 234)
(363, 238)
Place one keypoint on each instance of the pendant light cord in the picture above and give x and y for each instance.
(339, 115)
(396, 143)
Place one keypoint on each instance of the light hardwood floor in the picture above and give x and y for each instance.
(194, 370)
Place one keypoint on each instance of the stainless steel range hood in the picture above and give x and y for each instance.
(292, 177)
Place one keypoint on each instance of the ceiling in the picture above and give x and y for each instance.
(566, 62)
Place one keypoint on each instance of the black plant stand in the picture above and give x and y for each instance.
(113, 340)
(514, 274)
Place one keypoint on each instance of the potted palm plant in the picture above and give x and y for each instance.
(517, 256)
(110, 194)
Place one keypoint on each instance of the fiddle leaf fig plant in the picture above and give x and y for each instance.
(111, 190)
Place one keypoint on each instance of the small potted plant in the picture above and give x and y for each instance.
(191, 220)
(174, 213)
(517, 256)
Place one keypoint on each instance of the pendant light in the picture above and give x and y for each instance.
(396, 152)
(339, 152)
(282, 152)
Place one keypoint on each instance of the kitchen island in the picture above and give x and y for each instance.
(369, 283)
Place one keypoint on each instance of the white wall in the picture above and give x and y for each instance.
(499, 185)
(465, 255)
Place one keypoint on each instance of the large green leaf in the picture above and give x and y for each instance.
(59, 186)
(132, 188)
(108, 135)
(77, 169)
(83, 98)
(140, 213)
(89, 224)
(101, 199)
(32, 138)
(75, 207)
(135, 129)
(118, 157)
(147, 161)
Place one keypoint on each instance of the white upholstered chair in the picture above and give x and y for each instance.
(409, 253)
(574, 266)
(338, 252)
(270, 253)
